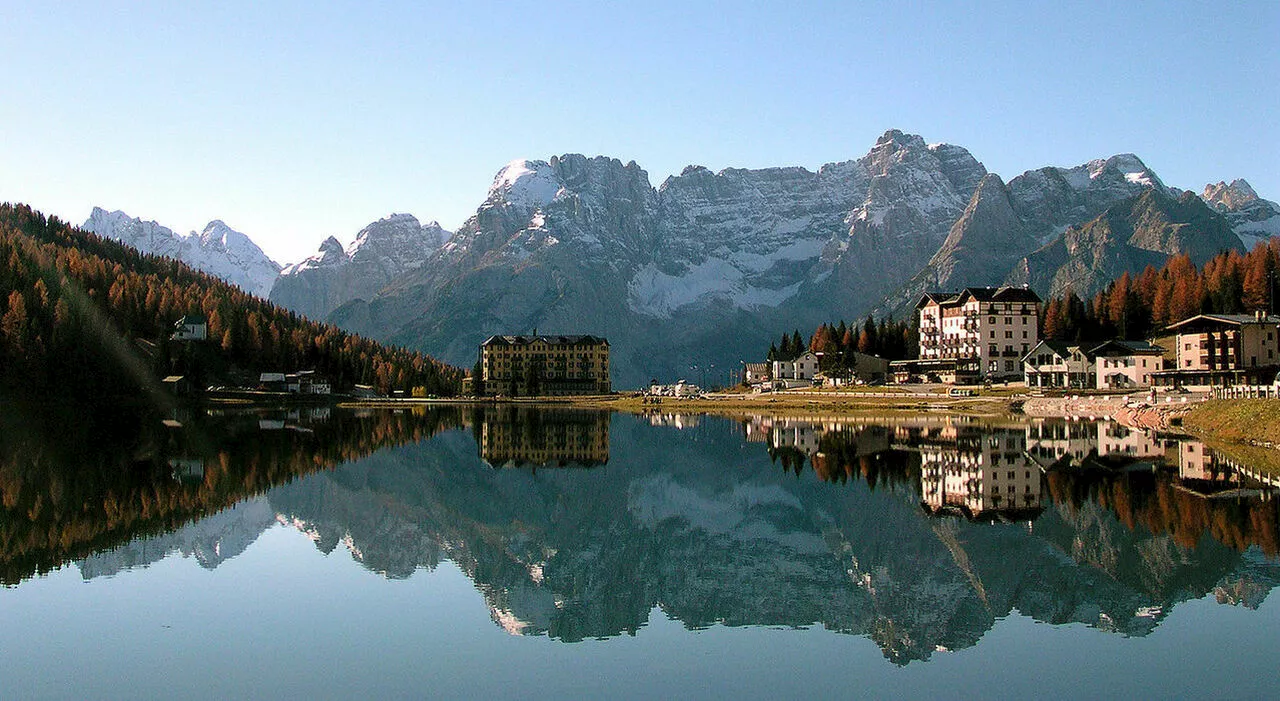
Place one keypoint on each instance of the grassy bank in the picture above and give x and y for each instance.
(1245, 421)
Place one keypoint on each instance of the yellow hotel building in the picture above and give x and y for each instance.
(529, 366)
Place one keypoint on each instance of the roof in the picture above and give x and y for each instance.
(172, 379)
(982, 294)
(1226, 319)
(192, 320)
(1062, 348)
(271, 377)
(757, 367)
(584, 339)
(1121, 347)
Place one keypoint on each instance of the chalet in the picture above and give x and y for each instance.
(192, 327)
(797, 372)
(1126, 364)
(756, 373)
(1059, 365)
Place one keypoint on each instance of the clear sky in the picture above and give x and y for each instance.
(296, 120)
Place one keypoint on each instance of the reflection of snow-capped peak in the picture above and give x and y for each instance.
(211, 541)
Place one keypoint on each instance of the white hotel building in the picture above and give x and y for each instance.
(980, 333)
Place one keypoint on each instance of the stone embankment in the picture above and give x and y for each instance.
(1135, 411)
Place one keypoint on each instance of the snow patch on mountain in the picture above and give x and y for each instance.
(729, 276)
(525, 183)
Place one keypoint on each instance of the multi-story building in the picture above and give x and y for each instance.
(797, 371)
(1226, 341)
(545, 365)
(1224, 349)
(983, 331)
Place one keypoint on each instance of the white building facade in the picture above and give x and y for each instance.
(985, 330)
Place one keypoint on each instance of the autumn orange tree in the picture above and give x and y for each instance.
(1136, 307)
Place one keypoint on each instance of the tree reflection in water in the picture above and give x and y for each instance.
(919, 534)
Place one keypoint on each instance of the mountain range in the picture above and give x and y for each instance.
(218, 250)
(704, 270)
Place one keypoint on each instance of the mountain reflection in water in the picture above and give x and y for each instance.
(918, 534)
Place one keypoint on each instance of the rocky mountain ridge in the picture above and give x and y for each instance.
(218, 250)
(380, 253)
(697, 271)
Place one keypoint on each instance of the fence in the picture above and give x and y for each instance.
(1247, 392)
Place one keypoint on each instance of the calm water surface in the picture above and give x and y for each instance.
(470, 553)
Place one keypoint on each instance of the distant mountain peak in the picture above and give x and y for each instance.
(218, 250)
(1234, 196)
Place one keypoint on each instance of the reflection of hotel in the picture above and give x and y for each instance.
(542, 439)
(985, 473)
(1197, 462)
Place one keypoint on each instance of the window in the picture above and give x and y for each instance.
(1008, 334)
(1024, 334)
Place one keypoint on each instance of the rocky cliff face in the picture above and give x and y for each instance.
(1252, 218)
(1129, 236)
(1003, 224)
(218, 250)
(381, 252)
(684, 275)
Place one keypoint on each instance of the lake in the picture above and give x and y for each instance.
(478, 552)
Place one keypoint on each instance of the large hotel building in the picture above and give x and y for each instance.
(979, 333)
(545, 365)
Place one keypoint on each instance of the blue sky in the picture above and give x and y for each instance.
(296, 120)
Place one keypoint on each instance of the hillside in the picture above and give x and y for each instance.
(91, 317)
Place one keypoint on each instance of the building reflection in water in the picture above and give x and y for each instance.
(980, 474)
(520, 437)
(987, 472)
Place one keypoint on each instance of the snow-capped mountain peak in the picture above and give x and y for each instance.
(218, 250)
(525, 183)
(1252, 218)
(380, 252)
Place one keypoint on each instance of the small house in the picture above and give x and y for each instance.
(755, 373)
(803, 367)
(272, 381)
(1054, 364)
(192, 327)
(177, 386)
(1126, 364)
